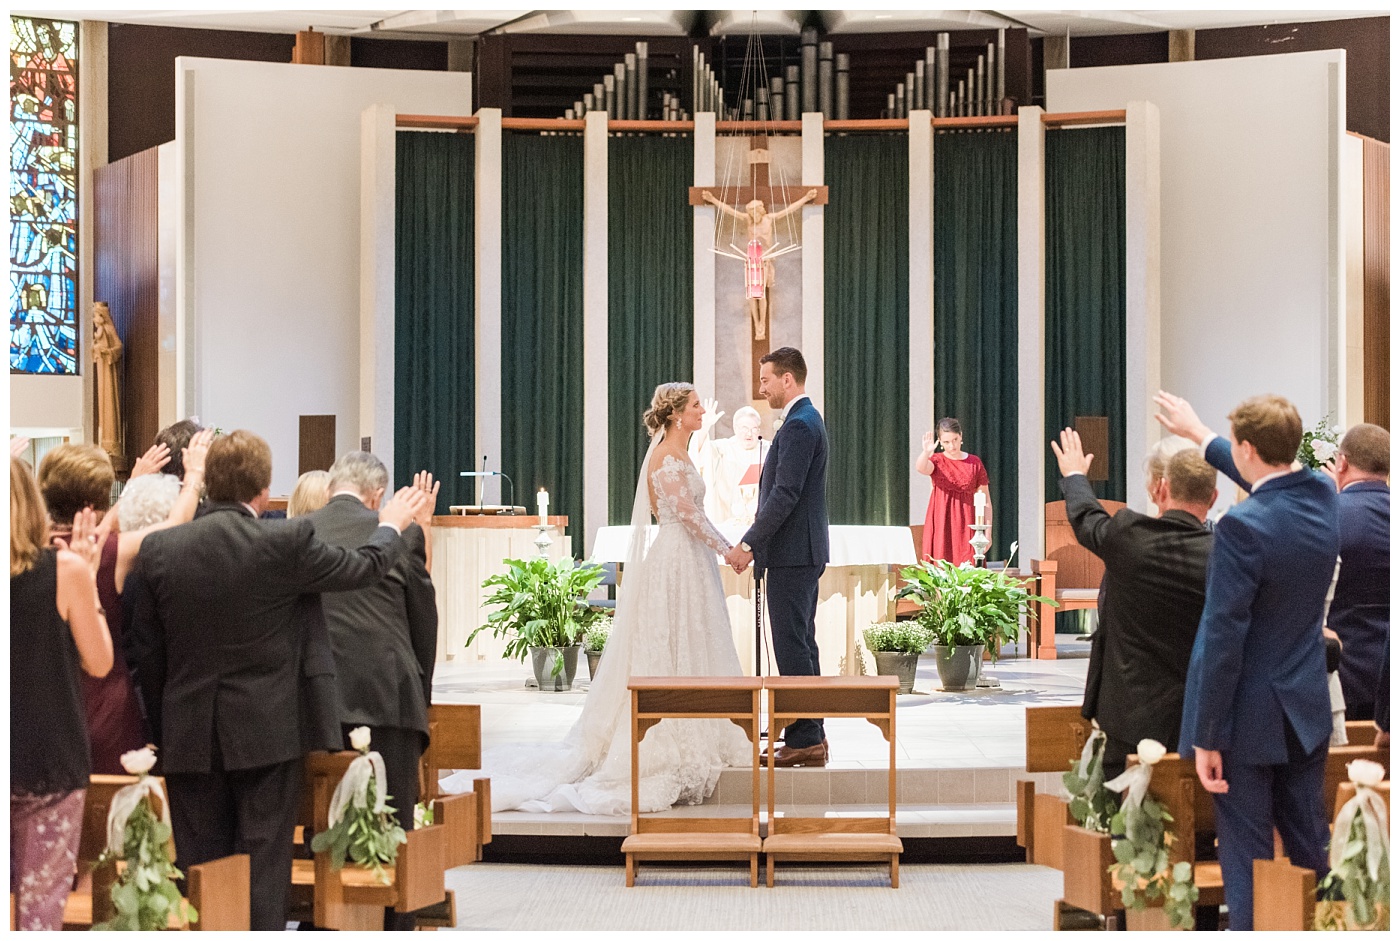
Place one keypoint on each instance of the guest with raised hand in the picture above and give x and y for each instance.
(73, 477)
(957, 478)
(174, 439)
(217, 639)
(423, 480)
(155, 459)
(1154, 587)
(1257, 713)
(57, 634)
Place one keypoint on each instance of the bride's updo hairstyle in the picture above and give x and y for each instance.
(666, 402)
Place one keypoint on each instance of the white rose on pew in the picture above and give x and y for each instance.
(1324, 450)
(1364, 773)
(359, 739)
(139, 761)
(1150, 751)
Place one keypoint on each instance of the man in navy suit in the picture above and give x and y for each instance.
(788, 541)
(1360, 611)
(1257, 711)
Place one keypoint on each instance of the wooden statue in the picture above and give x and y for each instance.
(106, 358)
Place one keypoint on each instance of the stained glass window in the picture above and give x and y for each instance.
(43, 196)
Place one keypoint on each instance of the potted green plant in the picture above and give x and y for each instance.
(541, 608)
(594, 640)
(967, 610)
(896, 646)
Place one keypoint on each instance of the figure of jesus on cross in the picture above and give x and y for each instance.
(759, 252)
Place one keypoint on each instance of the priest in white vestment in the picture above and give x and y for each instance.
(725, 463)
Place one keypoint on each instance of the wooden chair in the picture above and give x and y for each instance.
(218, 889)
(1068, 573)
(654, 698)
(824, 839)
(454, 731)
(1055, 737)
(354, 899)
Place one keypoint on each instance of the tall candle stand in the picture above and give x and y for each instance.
(980, 543)
(542, 541)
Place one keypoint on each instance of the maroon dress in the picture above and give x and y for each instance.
(950, 508)
(115, 722)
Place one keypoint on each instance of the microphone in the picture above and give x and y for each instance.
(481, 483)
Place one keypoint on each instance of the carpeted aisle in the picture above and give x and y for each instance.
(513, 897)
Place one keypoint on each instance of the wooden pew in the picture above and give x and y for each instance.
(218, 890)
(1055, 736)
(455, 742)
(354, 899)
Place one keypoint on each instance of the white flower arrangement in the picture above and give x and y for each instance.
(1320, 444)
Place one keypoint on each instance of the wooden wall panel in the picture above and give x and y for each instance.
(126, 275)
(315, 443)
(1375, 343)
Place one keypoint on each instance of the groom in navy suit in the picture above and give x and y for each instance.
(788, 541)
(1257, 711)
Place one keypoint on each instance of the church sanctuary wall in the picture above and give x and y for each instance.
(268, 249)
(1251, 236)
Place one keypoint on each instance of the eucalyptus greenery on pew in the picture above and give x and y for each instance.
(145, 893)
(1356, 891)
(1141, 844)
(362, 823)
(1091, 804)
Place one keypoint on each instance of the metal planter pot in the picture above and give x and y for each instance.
(958, 667)
(593, 657)
(543, 658)
(897, 663)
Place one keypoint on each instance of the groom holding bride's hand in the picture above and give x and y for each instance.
(788, 541)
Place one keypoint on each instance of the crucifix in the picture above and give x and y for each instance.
(759, 253)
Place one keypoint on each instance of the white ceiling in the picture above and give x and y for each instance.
(441, 24)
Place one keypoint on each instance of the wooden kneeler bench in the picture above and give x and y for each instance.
(218, 889)
(454, 731)
(831, 839)
(736, 699)
(1055, 737)
(354, 899)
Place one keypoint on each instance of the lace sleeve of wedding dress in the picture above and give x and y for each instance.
(673, 485)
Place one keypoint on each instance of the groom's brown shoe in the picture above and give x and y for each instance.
(814, 757)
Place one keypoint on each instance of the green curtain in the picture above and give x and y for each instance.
(974, 307)
(434, 311)
(1085, 293)
(651, 271)
(542, 321)
(867, 328)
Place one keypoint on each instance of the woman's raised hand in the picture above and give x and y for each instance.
(85, 539)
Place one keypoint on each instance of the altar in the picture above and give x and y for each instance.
(856, 590)
(466, 551)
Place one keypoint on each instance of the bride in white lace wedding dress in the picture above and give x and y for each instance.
(671, 620)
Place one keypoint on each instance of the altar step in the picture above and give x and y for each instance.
(932, 802)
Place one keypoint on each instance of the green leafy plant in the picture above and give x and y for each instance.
(145, 892)
(368, 838)
(541, 604)
(1319, 444)
(897, 637)
(963, 606)
(595, 638)
(1091, 804)
(1141, 846)
(1350, 881)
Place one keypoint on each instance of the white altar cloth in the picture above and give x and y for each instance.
(856, 590)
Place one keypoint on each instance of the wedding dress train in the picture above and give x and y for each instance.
(671, 621)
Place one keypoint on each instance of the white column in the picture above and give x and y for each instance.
(703, 288)
(814, 260)
(1143, 333)
(92, 153)
(377, 171)
(595, 324)
(1030, 343)
(186, 331)
(1335, 369)
(488, 287)
(920, 303)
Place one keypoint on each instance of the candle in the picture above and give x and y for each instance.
(979, 504)
(542, 504)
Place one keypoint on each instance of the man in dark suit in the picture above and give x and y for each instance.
(1360, 612)
(1257, 711)
(218, 641)
(384, 637)
(788, 541)
(1154, 587)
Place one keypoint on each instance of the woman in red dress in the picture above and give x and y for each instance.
(957, 476)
